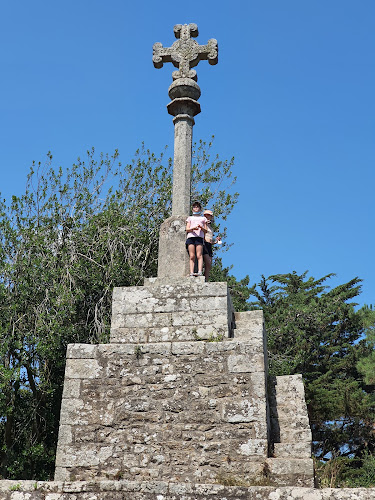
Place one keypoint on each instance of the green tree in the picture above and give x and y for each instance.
(316, 331)
(240, 290)
(64, 244)
(366, 365)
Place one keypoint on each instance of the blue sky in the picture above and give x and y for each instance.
(292, 98)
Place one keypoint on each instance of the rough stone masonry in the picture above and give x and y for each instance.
(180, 395)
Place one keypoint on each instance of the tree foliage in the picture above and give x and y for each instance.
(240, 290)
(317, 331)
(366, 364)
(76, 233)
(64, 244)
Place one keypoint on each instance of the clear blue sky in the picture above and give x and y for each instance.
(292, 98)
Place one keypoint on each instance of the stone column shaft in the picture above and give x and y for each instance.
(173, 259)
(183, 139)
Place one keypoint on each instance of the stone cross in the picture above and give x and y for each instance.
(184, 54)
(184, 92)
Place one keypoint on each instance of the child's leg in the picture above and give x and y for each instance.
(207, 265)
(199, 251)
(191, 250)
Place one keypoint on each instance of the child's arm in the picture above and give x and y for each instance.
(189, 229)
(204, 227)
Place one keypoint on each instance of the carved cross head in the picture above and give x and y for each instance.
(185, 53)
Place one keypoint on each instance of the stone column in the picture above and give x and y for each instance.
(173, 259)
(184, 54)
(184, 106)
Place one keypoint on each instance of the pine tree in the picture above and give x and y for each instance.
(316, 331)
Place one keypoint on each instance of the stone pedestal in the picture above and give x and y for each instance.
(180, 395)
(173, 260)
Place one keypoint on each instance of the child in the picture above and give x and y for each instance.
(208, 242)
(196, 228)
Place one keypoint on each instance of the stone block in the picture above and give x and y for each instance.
(72, 388)
(254, 448)
(246, 318)
(81, 351)
(251, 410)
(65, 434)
(114, 351)
(292, 450)
(91, 455)
(299, 472)
(82, 368)
(287, 435)
(70, 411)
(129, 335)
(215, 347)
(182, 333)
(184, 287)
(247, 335)
(246, 363)
(160, 349)
(172, 238)
(185, 348)
(79, 412)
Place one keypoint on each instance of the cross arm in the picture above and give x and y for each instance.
(208, 52)
(161, 55)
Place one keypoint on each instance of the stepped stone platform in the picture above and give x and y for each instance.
(177, 407)
(180, 395)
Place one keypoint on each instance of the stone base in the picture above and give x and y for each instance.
(166, 310)
(180, 395)
(173, 260)
(157, 490)
(177, 411)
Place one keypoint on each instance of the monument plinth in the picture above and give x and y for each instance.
(185, 53)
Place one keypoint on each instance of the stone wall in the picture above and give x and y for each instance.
(162, 311)
(156, 490)
(186, 411)
(180, 394)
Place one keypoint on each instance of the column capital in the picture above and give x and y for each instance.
(184, 87)
(184, 107)
(185, 92)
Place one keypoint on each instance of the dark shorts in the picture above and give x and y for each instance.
(194, 241)
(207, 248)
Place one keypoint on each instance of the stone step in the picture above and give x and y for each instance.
(169, 334)
(162, 410)
(170, 312)
(194, 281)
(248, 333)
(249, 319)
(290, 433)
(292, 450)
(299, 472)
